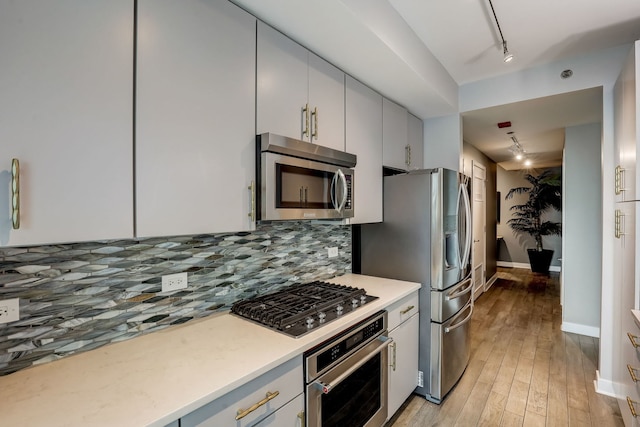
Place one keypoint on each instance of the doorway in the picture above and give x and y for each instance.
(479, 256)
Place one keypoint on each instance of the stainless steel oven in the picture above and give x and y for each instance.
(347, 376)
(299, 180)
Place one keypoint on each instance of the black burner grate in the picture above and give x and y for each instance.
(299, 308)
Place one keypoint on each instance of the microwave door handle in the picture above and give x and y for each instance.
(332, 190)
(344, 190)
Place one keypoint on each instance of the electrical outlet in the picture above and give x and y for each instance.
(9, 310)
(173, 282)
(332, 252)
(420, 379)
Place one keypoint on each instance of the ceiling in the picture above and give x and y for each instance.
(419, 52)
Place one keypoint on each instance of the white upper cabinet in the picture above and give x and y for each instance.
(195, 109)
(395, 138)
(300, 95)
(364, 139)
(66, 116)
(415, 136)
(627, 124)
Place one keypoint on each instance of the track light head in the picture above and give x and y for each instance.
(508, 57)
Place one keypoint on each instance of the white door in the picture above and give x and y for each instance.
(479, 228)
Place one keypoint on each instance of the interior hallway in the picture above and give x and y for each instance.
(523, 371)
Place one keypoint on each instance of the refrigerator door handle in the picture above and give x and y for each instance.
(453, 325)
(466, 287)
(468, 225)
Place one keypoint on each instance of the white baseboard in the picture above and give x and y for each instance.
(490, 282)
(509, 264)
(575, 328)
(604, 386)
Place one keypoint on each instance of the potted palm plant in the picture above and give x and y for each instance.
(545, 193)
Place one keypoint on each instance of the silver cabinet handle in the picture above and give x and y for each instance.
(314, 123)
(252, 190)
(631, 407)
(326, 388)
(244, 412)
(632, 338)
(15, 193)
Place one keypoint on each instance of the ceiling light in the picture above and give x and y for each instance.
(527, 162)
(519, 156)
(516, 149)
(508, 57)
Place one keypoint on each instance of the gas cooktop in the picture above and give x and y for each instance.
(302, 308)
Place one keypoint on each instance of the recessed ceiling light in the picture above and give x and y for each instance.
(527, 162)
(566, 74)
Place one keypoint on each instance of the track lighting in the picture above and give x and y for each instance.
(516, 148)
(508, 57)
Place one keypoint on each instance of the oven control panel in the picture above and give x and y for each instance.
(345, 344)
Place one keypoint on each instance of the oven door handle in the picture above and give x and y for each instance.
(326, 388)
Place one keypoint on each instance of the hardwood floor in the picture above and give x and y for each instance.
(523, 370)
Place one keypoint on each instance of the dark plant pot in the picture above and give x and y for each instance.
(540, 260)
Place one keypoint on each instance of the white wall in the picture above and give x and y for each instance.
(589, 71)
(582, 211)
(443, 142)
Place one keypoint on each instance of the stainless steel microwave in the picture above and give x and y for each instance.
(299, 180)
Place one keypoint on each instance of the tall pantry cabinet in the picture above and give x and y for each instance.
(627, 217)
(66, 117)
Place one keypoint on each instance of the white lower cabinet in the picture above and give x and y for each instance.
(403, 323)
(276, 398)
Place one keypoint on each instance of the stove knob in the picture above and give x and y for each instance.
(339, 309)
(321, 316)
(309, 322)
(354, 302)
(363, 299)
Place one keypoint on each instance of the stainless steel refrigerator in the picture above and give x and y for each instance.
(425, 237)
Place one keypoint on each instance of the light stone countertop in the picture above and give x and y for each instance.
(157, 378)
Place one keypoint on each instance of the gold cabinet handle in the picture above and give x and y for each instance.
(632, 338)
(305, 112)
(631, 407)
(407, 155)
(619, 179)
(252, 189)
(15, 193)
(314, 122)
(408, 309)
(244, 412)
(632, 372)
(301, 418)
(393, 356)
(619, 224)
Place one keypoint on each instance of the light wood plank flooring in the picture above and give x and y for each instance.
(523, 371)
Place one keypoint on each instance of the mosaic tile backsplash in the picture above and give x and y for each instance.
(77, 297)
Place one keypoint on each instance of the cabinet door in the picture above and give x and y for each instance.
(403, 361)
(66, 115)
(326, 100)
(626, 128)
(364, 139)
(282, 84)
(195, 134)
(394, 135)
(415, 136)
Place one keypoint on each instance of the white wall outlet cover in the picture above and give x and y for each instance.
(332, 252)
(9, 310)
(174, 282)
